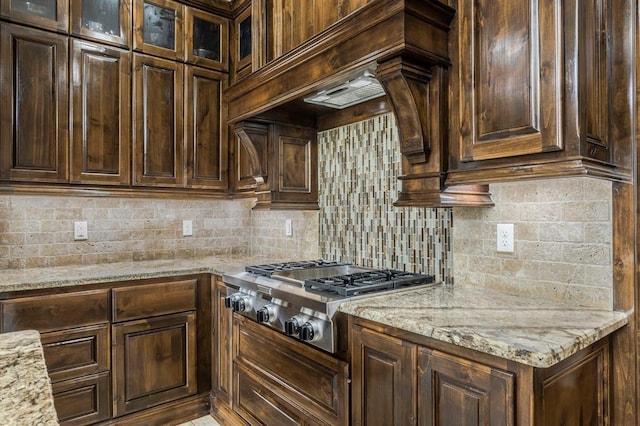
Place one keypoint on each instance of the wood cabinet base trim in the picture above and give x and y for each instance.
(175, 412)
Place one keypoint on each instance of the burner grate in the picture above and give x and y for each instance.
(367, 282)
(269, 268)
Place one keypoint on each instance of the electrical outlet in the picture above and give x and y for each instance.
(288, 228)
(80, 231)
(187, 228)
(505, 237)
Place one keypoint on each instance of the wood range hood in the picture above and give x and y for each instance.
(406, 43)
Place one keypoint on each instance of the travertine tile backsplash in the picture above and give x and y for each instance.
(563, 241)
(37, 231)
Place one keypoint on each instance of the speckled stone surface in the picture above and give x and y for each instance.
(527, 330)
(25, 388)
(63, 276)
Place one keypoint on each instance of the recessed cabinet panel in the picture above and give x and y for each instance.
(83, 400)
(34, 105)
(206, 40)
(158, 28)
(107, 21)
(295, 151)
(206, 137)
(154, 361)
(509, 78)
(45, 14)
(158, 126)
(100, 94)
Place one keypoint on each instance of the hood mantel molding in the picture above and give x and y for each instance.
(407, 43)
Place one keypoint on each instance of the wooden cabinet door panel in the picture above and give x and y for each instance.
(106, 21)
(158, 28)
(223, 361)
(309, 380)
(454, 390)
(158, 126)
(77, 352)
(46, 14)
(206, 39)
(34, 104)
(82, 401)
(154, 361)
(55, 312)
(150, 300)
(383, 380)
(207, 155)
(510, 78)
(101, 132)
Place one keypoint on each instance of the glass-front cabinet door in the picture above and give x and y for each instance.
(107, 21)
(158, 28)
(44, 14)
(206, 40)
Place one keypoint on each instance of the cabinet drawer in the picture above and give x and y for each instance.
(153, 299)
(55, 312)
(82, 401)
(76, 352)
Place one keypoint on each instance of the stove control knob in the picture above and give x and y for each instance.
(241, 304)
(228, 301)
(266, 314)
(309, 331)
(292, 326)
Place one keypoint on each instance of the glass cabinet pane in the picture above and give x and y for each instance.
(244, 37)
(44, 8)
(102, 16)
(206, 39)
(159, 26)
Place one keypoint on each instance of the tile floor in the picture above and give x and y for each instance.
(202, 421)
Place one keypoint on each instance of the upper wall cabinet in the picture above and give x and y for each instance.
(34, 100)
(44, 14)
(158, 28)
(206, 40)
(540, 89)
(241, 44)
(106, 21)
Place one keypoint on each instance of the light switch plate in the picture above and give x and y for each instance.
(187, 228)
(288, 228)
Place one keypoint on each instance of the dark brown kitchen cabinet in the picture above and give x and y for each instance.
(383, 376)
(206, 134)
(241, 44)
(75, 337)
(402, 378)
(34, 92)
(206, 39)
(45, 14)
(278, 380)
(285, 166)
(100, 113)
(105, 21)
(223, 351)
(158, 147)
(158, 28)
(154, 361)
(454, 390)
(242, 178)
(539, 89)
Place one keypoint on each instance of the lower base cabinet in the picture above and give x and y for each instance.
(127, 353)
(402, 379)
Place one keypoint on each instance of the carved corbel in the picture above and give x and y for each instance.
(406, 83)
(255, 137)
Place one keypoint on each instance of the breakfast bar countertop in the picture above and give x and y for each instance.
(532, 331)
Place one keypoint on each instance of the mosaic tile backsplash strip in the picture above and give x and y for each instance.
(359, 165)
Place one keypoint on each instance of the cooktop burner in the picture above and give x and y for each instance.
(268, 269)
(367, 282)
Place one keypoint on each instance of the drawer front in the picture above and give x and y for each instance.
(77, 352)
(55, 312)
(82, 401)
(153, 299)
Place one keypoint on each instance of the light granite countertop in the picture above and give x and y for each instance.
(531, 331)
(24, 384)
(64, 276)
